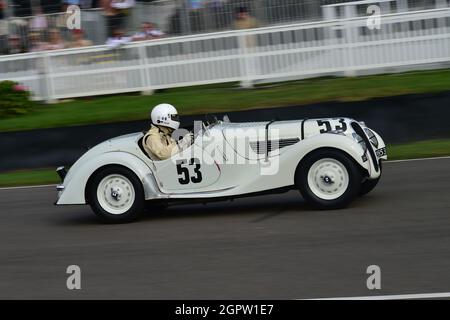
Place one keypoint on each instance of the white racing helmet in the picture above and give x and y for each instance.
(165, 115)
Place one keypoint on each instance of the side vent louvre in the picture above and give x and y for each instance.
(260, 146)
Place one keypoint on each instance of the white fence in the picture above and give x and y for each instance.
(406, 41)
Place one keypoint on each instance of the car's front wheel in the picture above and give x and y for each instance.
(116, 195)
(329, 179)
(367, 186)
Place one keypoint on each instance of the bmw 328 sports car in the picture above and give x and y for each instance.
(330, 161)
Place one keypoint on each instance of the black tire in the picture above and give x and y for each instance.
(138, 202)
(367, 186)
(354, 179)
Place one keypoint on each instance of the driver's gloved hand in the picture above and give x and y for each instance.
(186, 142)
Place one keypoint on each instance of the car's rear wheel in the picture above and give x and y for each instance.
(328, 179)
(116, 195)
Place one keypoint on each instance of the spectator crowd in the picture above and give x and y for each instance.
(27, 27)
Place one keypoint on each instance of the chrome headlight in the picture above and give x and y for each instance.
(372, 138)
(360, 140)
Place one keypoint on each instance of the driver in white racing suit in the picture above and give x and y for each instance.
(158, 140)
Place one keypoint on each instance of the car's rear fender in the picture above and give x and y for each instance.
(74, 188)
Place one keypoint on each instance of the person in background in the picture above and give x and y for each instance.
(78, 40)
(148, 32)
(15, 44)
(39, 21)
(118, 39)
(244, 20)
(35, 43)
(56, 42)
(116, 12)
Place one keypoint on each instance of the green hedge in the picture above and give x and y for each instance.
(14, 99)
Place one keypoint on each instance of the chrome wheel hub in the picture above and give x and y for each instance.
(328, 179)
(115, 194)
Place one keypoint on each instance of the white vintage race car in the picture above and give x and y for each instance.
(331, 161)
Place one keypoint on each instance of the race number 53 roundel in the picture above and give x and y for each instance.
(189, 171)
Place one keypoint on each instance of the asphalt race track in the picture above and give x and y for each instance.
(265, 247)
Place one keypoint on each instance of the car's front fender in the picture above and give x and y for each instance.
(337, 141)
(298, 152)
(73, 187)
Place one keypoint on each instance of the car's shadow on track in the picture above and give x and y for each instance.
(259, 208)
(254, 210)
(266, 210)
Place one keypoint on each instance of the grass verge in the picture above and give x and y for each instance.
(422, 149)
(228, 97)
(28, 177)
